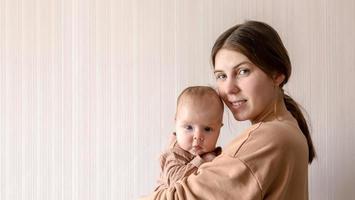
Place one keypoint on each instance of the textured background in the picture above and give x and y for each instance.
(88, 89)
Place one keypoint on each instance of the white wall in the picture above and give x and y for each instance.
(88, 88)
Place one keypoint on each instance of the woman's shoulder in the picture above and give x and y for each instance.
(282, 134)
(277, 136)
(272, 151)
(279, 132)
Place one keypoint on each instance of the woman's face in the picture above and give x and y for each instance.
(247, 91)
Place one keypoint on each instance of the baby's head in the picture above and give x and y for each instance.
(198, 119)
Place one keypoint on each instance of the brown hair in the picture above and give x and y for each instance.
(263, 46)
(201, 92)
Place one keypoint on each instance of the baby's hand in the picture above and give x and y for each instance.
(207, 157)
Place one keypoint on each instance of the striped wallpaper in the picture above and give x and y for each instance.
(88, 89)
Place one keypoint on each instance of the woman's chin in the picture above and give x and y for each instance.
(240, 117)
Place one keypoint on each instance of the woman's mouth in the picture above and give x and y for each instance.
(238, 104)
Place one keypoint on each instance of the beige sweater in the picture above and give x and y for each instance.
(269, 161)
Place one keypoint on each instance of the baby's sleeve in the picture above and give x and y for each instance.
(175, 167)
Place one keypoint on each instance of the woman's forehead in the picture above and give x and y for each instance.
(226, 58)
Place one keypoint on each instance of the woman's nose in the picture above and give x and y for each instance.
(230, 86)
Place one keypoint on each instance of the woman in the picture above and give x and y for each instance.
(270, 159)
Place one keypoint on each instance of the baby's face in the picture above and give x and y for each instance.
(198, 126)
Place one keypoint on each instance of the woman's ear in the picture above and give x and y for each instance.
(278, 79)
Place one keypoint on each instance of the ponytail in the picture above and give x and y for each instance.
(296, 112)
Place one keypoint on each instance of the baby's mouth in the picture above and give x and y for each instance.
(197, 149)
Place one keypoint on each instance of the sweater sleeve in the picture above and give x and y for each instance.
(224, 178)
(176, 167)
(268, 161)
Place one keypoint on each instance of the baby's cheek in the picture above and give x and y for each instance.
(210, 147)
(188, 141)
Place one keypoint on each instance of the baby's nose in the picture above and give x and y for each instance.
(198, 137)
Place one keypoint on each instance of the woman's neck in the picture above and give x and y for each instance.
(271, 112)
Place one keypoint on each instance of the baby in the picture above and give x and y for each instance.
(198, 120)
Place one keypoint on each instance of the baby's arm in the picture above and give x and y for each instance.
(176, 165)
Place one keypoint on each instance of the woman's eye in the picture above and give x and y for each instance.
(243, 71)
(221, 76)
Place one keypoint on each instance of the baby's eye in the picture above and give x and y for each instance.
(208, 129)
(188, 127)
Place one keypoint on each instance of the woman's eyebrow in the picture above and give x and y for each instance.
(236, 66)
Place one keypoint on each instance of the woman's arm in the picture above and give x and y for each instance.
(224, 178)
(267, 160)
